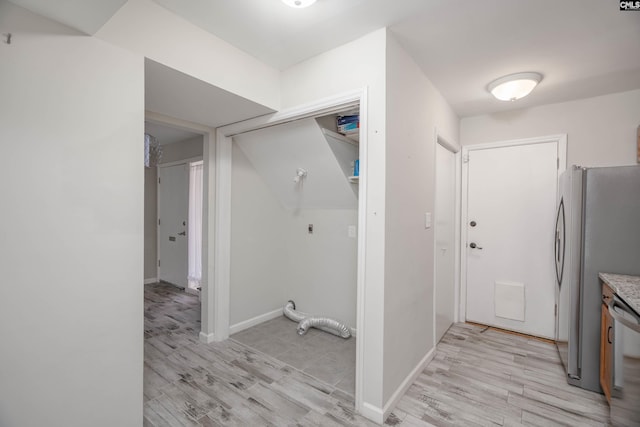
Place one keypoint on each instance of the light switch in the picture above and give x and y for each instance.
(351, 231)
(427, 220)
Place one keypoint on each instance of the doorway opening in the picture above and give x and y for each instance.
(173, 225)
(171, 197)
(294, 238)
(220, 306)
(179, 220)
(447, 226)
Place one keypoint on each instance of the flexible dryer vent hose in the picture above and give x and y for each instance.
(307, 321)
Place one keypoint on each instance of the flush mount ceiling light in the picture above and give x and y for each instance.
(514, 86)
(299, 4)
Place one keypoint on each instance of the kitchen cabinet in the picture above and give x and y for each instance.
(606, 343)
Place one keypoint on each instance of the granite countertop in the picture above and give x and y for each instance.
(626, 287)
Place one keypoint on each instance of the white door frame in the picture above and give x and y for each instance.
(561, 139)
(219, 308)
(208, 168)
(456, 150)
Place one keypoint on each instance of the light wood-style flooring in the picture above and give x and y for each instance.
(477, 377)
(483, 376)
(187, 383)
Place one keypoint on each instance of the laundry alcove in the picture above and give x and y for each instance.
(294, 237)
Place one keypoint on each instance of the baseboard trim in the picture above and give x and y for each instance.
(206, 338)
(372, 413)
(402, 389)
(246, 324)
(150, 280)
(192, 291)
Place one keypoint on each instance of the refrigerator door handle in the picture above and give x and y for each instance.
(560, 244)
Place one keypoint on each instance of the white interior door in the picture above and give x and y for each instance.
(173, 207)
(510, 235)
(445, 239)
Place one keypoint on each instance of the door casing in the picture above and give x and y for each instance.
(208, 206)
(456, 151)
(219, 271)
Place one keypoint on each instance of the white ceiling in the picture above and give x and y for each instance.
(87, 16)
(282, 36)
(167, 134)
(583, 48)
(175, 94)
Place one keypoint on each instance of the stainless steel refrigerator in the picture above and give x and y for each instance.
(597, 230)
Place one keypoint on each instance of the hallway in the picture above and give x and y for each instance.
(478, 377)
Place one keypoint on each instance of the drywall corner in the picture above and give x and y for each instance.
(73, 117)
(414, 108)
(148, 29)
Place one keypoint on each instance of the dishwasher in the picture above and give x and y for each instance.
(625, 396)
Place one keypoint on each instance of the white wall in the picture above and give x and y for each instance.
(148, 29)
(71, 252)
(150, 223)
(187, 149)
(258, 244)
(357, 65)
(277, 152)
(404, 111)
(322, 267)
(601, 131)
(414, 110)
(274, 258)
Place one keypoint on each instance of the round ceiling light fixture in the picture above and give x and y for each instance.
(514, 86)
(299, 4)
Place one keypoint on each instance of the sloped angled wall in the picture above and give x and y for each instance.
(277, 152)
(274, 258)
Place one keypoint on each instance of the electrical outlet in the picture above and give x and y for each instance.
(310, 229)
(427, 220)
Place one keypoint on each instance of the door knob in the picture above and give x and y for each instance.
(184, 233)
(474, 246)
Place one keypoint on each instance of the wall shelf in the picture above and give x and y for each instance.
(352, 138)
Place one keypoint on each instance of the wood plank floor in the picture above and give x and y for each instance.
(476, 378)
(187, 383)
(489, 377)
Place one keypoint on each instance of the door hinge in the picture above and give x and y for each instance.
(465, 158)
(158, 263)
(158, 221)
(558, 163)
(555, 310)
(158, 180)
